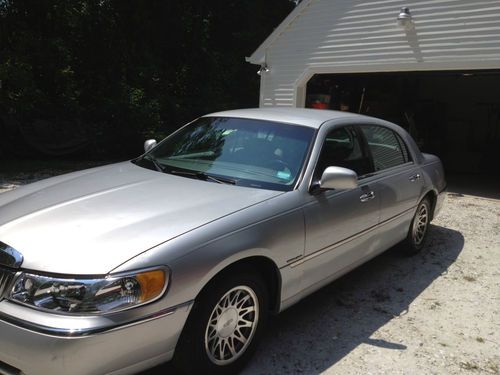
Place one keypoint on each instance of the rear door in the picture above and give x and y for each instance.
(399, 178)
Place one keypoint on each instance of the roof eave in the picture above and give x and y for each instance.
(259, 56)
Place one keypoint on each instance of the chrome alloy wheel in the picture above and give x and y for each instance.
(420, 224)
(232, 325)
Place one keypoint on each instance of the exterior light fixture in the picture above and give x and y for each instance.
(263, 69)
(404, 18)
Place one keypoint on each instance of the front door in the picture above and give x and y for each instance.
(340, 223)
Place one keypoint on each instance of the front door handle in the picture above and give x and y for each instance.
(366, 197)
(415, 177)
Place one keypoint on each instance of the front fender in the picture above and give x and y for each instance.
(197, 257)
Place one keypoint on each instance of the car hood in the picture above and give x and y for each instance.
(90, 222)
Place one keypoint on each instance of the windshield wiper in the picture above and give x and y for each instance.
(217, 179)
(203, 176)
(158, 166)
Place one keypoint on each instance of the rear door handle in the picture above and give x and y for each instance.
(415, 177)
(366, 197)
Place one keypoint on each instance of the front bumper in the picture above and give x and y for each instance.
(118, 349)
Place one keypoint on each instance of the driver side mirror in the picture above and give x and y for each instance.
(338, 178)
(149, 144)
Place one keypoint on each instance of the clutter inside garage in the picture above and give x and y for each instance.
(454, 114)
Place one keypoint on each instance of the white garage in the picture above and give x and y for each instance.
(432, 66)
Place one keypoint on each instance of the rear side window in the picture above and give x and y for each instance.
(387, 148)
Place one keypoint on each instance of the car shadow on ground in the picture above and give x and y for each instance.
(319, 331)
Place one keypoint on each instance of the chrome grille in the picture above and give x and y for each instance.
(6, 277)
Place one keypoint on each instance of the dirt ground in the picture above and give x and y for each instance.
(434, 313)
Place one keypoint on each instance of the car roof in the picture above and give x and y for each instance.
(312, 118)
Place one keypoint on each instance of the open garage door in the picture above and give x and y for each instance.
(453, 114)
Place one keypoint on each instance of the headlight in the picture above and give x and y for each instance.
(89, 295)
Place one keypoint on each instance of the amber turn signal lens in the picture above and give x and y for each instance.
(152, 284)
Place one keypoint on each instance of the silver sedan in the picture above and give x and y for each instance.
(182, 253)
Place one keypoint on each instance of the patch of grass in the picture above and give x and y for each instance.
(469, 278)
(380, 296)
(479, 339)
(493, 367)
(381, 310)
(435, 305)
(468, 366)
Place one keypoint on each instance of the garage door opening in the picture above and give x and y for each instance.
(455, 115)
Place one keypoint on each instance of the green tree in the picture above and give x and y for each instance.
(110, 72)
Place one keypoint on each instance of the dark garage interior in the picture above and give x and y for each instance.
(453, 114)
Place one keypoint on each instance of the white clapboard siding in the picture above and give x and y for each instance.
(351, 36)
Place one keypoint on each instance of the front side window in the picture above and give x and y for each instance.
(386, 147)
(342, 148)
(242, 152)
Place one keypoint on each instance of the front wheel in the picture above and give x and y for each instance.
(417, 233)
(224, 326)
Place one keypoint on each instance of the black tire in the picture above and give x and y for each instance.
(193, 353)
(417, 233)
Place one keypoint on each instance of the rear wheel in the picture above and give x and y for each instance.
(224, 326)
(417, 234)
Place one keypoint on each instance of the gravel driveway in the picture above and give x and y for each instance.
(434, 313)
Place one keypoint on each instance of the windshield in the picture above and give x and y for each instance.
(243, 152)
